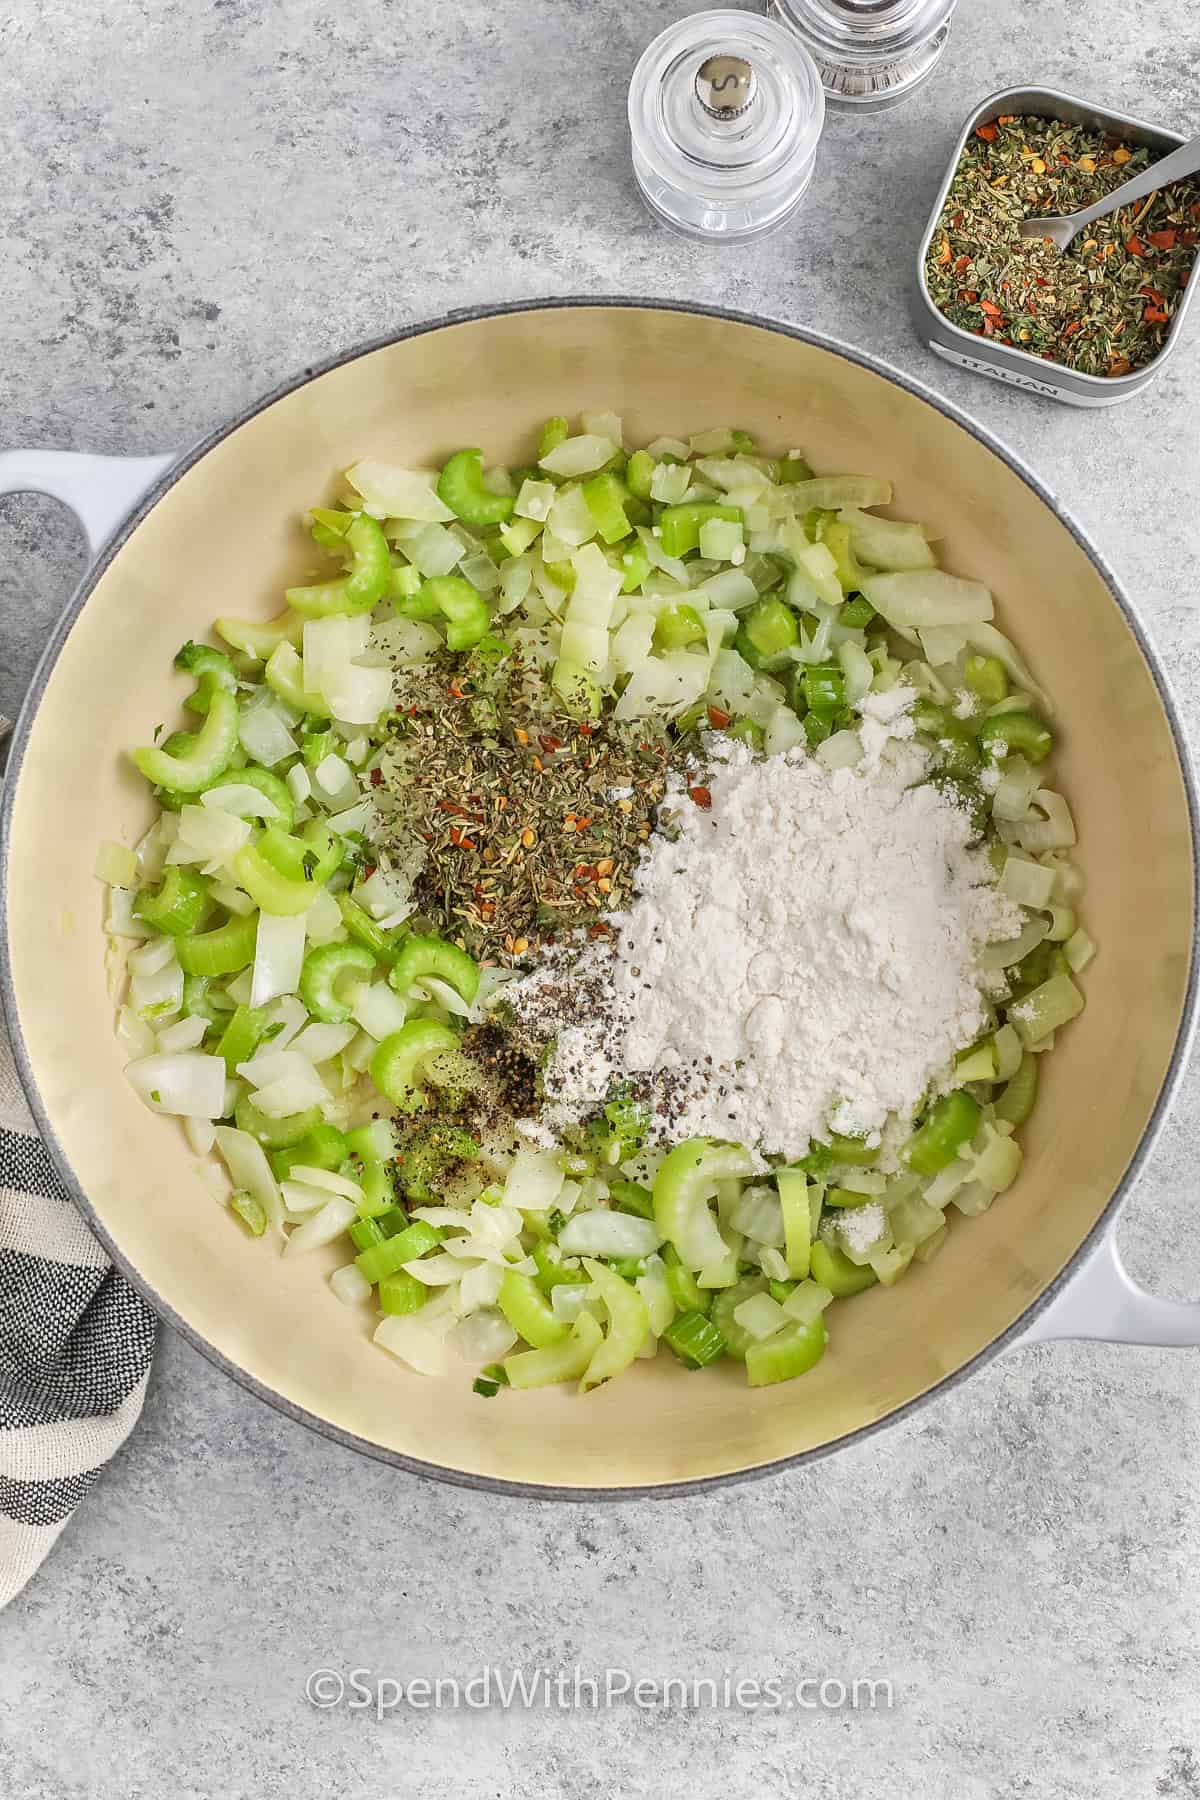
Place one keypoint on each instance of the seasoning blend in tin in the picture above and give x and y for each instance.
(1008, 362)
(725, 112)
(871, 53)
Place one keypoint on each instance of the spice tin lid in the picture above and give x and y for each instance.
(725, 111)
(871, 53)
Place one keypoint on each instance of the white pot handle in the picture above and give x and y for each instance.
(100, 490)
(1103, 1302)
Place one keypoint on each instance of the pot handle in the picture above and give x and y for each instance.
(1102, 1302)
(100, 490)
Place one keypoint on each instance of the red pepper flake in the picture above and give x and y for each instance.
(586, 730)
(550, 744)
(1188, 239)
(1120, 365)
(599, 929)
(461, 839)
(1031, 306)
(1183, 279)
(970, 295)
(991, 309)
(456, 691)
(986, 132)
(1073, 327)
(957, 220)
(368, 872)
(718, 718)
(1134, 245)
(702, 796)
(962, 265)
(1154, 315)
(376, 777)
(1162, 240)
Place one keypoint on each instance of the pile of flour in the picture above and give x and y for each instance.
(802, 955)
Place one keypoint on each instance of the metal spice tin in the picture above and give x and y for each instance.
(1018, 367)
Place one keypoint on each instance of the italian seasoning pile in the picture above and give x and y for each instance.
(1106, 305)
(523, 822)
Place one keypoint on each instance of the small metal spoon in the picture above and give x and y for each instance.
(1181, 162)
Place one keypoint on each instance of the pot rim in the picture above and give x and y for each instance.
(528, 1490)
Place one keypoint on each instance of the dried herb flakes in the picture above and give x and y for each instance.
(1106, 306)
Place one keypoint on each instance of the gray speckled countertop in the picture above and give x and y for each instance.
(200, 198)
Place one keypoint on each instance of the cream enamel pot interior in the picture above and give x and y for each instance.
(218, 530)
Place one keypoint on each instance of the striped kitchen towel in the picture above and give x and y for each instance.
(75, 1347)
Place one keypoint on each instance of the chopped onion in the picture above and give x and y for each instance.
(233, 899)
(121, 921)
(322, 1228)
(248, 1167)
(299, 782)
(186, 1084)
(990, 642)
(603, 425)
(435, 1271)
(116, 864)
(350, 1285)
(841, 751)
(1027, 882)
(264, 735)
(831, 492)
(579, 455)
(208, 834)
(239, 798)
(200, 1134)
(135, 1034)
(670, 482)
(886, 543)
(783, 731)
(358, 693)
(1015, 789)
(434, 551)
(335, 782)
(390, 492)
(570, 520)
(185, 1034)
(278, 957)
(152, 956)
(760, 1316)
(290, 1015)
(534, 1180)
(568, 1298)
(379, 1009)
(482, 1337)
(412, 1340)
(323, 920)
(1056, 831)
(924, 597)
(603, 1233)
(320, 1042)
(664, 684)
(858, 670)
(157, 996)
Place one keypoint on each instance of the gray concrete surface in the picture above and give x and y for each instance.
(198, 199)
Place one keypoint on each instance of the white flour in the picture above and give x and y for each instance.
(802, 957)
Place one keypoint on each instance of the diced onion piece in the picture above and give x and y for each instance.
(1015, 789)
(233, 899)
(208, 834)
(289, 1015)
(185, 1034)
(323, 920)
(248, 1167)
(408, 641)
(239, 798)
(322, 1228)
(200, 1134)
(121, 921)
(604, 425)
(116, 864)
(570, 519)
(435, 1271)
(1028, 883)
(921, 597)
(155, 997)
(1079, 950)
(135, 1034)
(483, 1337)
(187, 1084)
(841, 751)
(535, 500)
(568, 1298)
(534, 1181)
(413, 1341)
(265, 736)
(390, 492)
(991, 642)
(278, 956)
(783, 731)
(664, 684)
(604, 1233)
(320, 1042)
(1056, 831)
(831, 492)
(579, 455)
(335, 782)
(358, 694)
(350, 1285)
(858, 669)
(1012, 950)
(886, 543)
(152, 956)
(730, 589)
(299, 782)
(379, 1009)
(760, 1316)
(331, 642)
(301, 1199)
(670, 483)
